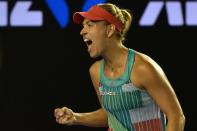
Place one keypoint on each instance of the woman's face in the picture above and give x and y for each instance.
(94, 35)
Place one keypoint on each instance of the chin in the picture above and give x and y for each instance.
(94, 55)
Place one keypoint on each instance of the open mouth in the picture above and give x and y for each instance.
(88, 42)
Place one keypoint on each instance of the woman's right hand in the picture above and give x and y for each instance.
(65, 116)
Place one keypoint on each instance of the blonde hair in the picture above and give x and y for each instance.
(123, 15)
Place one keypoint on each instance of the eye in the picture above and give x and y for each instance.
(89, 24)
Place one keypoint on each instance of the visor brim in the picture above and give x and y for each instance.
(78, 17)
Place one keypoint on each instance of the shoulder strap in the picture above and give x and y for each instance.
(131, 59)
(101, 71)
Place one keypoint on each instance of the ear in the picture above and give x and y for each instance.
(110, 30)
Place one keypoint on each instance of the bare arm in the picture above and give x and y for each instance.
(156, 83)
(92, 119)
(96, 118)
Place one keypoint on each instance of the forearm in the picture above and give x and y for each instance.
(176, 123)
(97, 118)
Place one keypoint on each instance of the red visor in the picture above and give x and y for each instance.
(97, 13)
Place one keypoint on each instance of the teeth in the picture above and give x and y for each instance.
(86, 40)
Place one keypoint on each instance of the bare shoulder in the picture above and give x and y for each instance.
(146, 69)
(95, 68)
(146, 63)
(95, 73)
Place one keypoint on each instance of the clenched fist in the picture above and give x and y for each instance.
(64, 116)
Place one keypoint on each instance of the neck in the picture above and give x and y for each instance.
(115, 56)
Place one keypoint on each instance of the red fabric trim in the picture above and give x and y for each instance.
(97, 13)
(149, 125)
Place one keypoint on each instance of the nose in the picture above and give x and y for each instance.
(83, 31)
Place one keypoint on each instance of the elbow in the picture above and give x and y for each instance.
(179, 118)
(182, 121)
(183, 118)
(176, 122)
